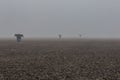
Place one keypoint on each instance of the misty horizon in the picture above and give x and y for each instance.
(48, 18)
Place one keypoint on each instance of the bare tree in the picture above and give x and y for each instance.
(18, 37)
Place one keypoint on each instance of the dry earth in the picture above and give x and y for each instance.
(60, 60)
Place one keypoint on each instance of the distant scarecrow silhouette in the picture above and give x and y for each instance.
(18, 37)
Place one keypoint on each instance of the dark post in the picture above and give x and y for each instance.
(18, 37)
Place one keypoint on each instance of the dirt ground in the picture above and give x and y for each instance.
(60, 60)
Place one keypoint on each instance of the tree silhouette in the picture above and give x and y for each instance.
(18, 37)
(60, 36)
(80, 35)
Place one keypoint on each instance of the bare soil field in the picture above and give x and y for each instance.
(60, 60)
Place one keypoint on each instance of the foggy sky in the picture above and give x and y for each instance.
(48, 18)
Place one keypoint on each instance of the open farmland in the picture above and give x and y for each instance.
(60, 60)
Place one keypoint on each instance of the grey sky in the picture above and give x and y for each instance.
(38, 18)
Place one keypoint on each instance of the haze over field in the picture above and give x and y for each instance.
(47, 18)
